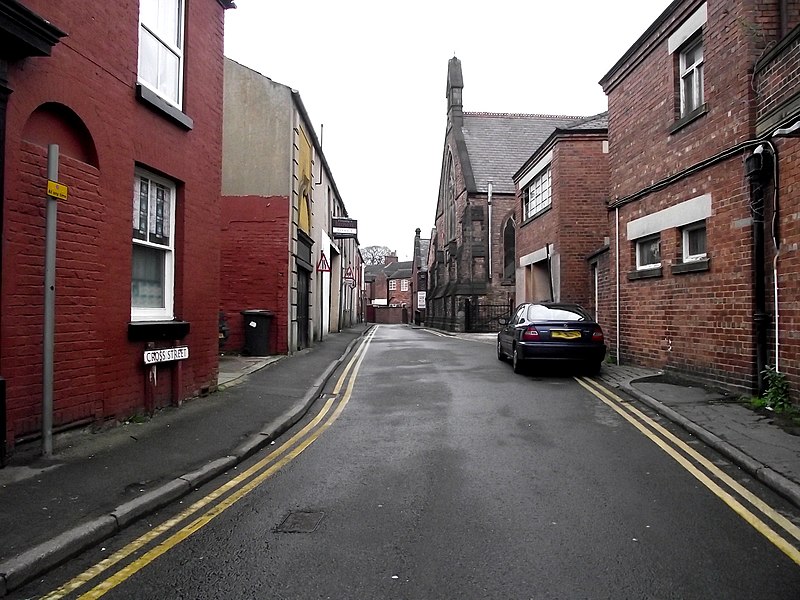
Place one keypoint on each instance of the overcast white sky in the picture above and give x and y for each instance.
(374, 75)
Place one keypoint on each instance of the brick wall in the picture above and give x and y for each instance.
(397, 295)
(788, 262)
(255, 265)
(700, 323)
(642, 107)
(778, 81)
(577, 222)
(89, 82)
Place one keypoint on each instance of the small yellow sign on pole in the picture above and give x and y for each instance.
(56, 190)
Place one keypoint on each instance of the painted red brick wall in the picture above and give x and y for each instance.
(255, 265)
(99, 374)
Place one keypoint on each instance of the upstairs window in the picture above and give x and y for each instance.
(694, 242)
(536, 195)
(691, 76)
(648, 252)
(392, 284)
(161, 48)
(404, 285)
(153, 260)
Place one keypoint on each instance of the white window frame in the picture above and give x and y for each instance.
(166, 312)
(404, 285)
(687, 231)
(639, 245)
(392, 284)
(537, 196)
(691, 72)
(173, 45)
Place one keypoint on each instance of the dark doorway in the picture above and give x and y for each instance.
(303, 287)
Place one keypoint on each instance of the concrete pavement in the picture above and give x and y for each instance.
(96, 484)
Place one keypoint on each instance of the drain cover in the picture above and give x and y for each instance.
(300, 522)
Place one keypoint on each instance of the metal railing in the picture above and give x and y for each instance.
(484, 318)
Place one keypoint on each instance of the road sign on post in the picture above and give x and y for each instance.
(322, 264)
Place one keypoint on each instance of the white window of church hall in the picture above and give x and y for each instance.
(153, 263)
(161, 48)
(691, 66)
(694, 242)
(536, 195)
(404, 285)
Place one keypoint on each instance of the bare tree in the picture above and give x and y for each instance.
(373, 255)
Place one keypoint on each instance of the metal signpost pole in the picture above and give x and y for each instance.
(49, 306)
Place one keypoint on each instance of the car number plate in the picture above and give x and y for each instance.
(566, 335)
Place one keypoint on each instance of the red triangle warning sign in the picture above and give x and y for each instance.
(323, 265)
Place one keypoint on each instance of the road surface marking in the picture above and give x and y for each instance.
(312, 430)
(631, 414)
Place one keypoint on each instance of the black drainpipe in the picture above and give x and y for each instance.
(758, 171)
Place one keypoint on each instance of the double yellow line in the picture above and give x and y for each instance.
(233, 491)
(736, 496)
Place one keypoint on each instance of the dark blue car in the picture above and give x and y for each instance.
(549, 331)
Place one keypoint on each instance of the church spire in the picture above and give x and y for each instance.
(455, 83)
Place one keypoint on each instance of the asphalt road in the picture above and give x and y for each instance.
(435, 472)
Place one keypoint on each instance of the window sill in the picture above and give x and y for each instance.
(688, 118)
(158, 104)
(153, 331)
(644, 274)
(694, 266)
(508, 282)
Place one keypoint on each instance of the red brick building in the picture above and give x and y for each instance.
(693, 214)
(134, 103)
(389, 289)
(561, 215)
(471, 273)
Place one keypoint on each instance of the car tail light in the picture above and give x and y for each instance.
(530, 334)
(597, 334)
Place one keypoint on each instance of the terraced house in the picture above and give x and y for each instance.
(119, 105)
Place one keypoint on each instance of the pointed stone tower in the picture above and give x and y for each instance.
(455, 85)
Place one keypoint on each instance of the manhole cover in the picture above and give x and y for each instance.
(300, 522)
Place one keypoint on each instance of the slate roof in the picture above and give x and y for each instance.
(596, 122)
(499, 143)
(398, 270)
(395, 270)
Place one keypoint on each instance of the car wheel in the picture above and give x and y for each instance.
(500, 355)
(516, 362)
